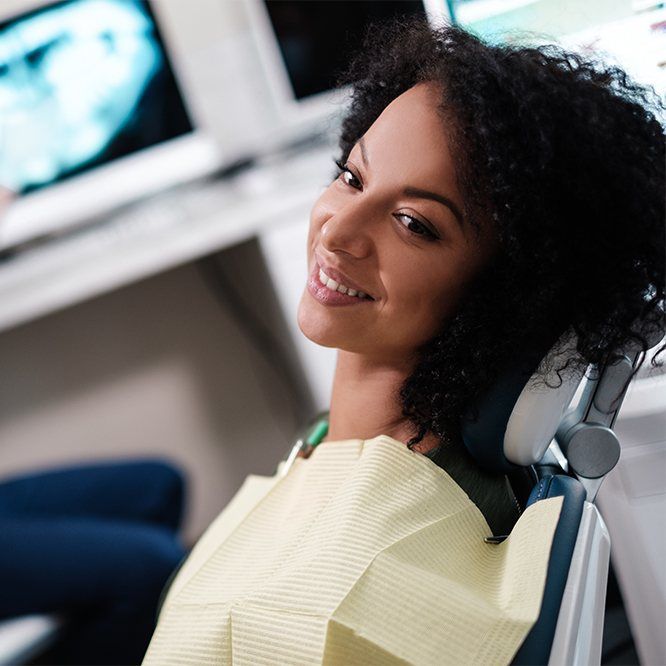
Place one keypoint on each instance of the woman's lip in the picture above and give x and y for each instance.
(327, 297)
(339, 277)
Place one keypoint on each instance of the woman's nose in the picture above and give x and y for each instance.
(348, 230)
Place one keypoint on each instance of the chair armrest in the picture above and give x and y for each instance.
(23, 638)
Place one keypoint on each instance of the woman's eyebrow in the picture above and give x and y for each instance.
(418, 192)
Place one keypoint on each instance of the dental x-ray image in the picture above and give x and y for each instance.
(82, 82)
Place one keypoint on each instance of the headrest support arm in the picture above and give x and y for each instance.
(585, 434)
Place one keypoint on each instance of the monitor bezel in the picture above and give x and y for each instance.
(321, 107)
(95, 193)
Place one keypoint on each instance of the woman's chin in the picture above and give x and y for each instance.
(322, 327)
(315, 328)
(327, 327)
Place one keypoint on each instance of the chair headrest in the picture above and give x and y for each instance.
(518, 417)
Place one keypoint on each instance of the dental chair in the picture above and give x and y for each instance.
(537, 437)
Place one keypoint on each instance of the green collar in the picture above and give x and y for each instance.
(318, 432)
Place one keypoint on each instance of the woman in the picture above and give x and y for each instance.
(555, 175)
(488, 198)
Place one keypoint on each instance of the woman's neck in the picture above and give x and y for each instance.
(365, 401)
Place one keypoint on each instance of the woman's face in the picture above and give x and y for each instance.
(390, 227)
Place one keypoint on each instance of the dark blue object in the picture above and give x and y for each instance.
(483, 427)
(95, 543)
(535, 650)
(484, 435)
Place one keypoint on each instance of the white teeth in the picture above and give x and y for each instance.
(331, 284)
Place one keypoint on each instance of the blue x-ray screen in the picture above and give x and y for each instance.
(82, 83)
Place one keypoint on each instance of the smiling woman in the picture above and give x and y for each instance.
(390, 227)
(487, 199)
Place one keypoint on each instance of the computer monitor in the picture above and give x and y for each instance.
(91, 114)
(304, 45)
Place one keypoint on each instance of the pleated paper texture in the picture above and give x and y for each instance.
(364, 553)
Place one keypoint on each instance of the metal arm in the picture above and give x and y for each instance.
(585, 434)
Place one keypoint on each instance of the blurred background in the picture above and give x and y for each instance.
(158, 161)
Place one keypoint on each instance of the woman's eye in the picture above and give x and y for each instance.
(415, 226)
(352, 181)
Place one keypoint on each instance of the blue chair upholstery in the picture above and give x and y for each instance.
(536, 647)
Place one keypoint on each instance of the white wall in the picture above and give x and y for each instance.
(157, 368)
(285, 256)
(632, 501)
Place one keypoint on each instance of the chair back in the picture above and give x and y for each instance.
(522, 422)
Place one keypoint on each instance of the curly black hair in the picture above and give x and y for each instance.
(565, 157)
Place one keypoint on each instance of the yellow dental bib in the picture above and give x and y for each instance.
(364, 553)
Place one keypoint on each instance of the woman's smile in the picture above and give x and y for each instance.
(327, 290)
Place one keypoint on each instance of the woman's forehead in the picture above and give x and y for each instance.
(407, 150)
(410, 135)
